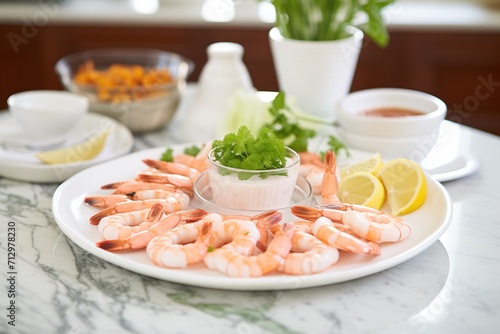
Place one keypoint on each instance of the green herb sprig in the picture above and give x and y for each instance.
(168, 154)
(286, 126)
(241, 150)
(336, 146)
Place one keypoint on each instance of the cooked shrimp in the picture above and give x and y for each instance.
(312, 169)
(173, 168)
(241, 234)
(123, 225)
(109, 200)
(126, 187)
(308, 254)
(314, 175)
(324, 229)
(205, 149)
(329, 211)
(106, 201)
(141, 239)
(311, 158)
(303, 226)
(365, 222)
(154, 193)
(182, 246)
(178, 201)
(234, 262)
(264, 222)
(166, 178)
(306, 169)
(376, 227)
(190, 161)
(329, 183)
(199, 162)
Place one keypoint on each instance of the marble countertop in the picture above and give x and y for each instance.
(451, 287)
(404, 14)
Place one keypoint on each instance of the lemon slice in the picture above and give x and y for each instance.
(362, 188)
(405, 184)
(371, 165)
(87, 150)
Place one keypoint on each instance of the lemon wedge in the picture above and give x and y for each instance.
(87, 150)
(371, 165)
(405, 184)
(362, 188)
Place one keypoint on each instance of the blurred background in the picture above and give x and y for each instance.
(448, 48)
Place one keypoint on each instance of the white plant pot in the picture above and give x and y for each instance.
(315, 74)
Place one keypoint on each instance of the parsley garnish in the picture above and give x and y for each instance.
(168, 155)
(192, 150)
(241, 150)
(336, 146)
(286, 127)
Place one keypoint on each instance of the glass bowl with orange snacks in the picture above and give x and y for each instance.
(141, 88)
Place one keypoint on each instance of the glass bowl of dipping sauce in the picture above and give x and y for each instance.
(258, 189)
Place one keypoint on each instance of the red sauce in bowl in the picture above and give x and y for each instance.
(391, 112)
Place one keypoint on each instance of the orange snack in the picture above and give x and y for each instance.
(121, 83)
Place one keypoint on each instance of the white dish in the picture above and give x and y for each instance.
(462, 166)
(428, 224)
(23, 166)
(415, 148)
(449, 159)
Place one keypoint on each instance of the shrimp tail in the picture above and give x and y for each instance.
(113, 185)
(375, 248)
(329, 185)
(205, 149)
(97, 201)
(95, 219)
(346, 207)
(114, 245)
(105, 201)
(261, 246)
(268, 218)
(193, 215)
(155, 212)
(306, 212)
(155, 164)
(205, 231)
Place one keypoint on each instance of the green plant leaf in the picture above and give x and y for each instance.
(375, 26)
(322, 20)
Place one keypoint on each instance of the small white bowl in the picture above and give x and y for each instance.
(415, 148)
(47, 116)
(351, 108)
